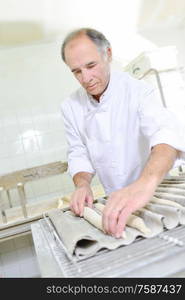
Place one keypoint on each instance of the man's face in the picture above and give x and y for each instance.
(90, 67)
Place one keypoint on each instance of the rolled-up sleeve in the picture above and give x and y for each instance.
(78, 158)
(160, 124)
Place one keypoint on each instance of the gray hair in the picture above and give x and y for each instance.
(95, 36)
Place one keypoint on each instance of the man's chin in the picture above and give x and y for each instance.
(93, 93)
(96, 96)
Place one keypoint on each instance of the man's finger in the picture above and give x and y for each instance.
(80, 203)
(123, 217)
(89, 201)
(74, 204)
(111, 214)
(110, 217)
(113, 221)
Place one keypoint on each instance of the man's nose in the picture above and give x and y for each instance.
(86, 76)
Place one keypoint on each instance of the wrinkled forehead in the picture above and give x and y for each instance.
(79, 40)
(80, 44)
(81, 50)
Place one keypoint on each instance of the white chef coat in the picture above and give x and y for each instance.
(113, 137)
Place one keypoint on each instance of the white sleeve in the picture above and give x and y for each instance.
(78, 158)
(160, 124)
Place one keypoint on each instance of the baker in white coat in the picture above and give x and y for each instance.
(116, 128)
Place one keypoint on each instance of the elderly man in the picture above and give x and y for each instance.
(117, 128)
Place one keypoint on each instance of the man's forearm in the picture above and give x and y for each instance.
(160, 162)
(82, 178)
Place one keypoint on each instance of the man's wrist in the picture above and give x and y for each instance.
(149, 182)
(82, 179)
(82, 184)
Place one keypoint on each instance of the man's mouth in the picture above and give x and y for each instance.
(91, 86)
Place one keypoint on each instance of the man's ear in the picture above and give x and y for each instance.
(109, 54)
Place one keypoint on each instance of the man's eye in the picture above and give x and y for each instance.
(76, 72)
(91, 66)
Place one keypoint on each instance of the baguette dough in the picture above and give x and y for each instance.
(165, 202)
(171, 190)
(95, 219)
(133, 221)
(63, 203)
(138, 223)
(60, 203)
(99, 206)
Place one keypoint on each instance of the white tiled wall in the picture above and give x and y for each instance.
(33, 83)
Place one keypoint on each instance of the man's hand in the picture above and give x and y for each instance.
(82, 196)
(122, 203)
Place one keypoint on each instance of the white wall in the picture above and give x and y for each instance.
(34, 81)
(33, 84)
